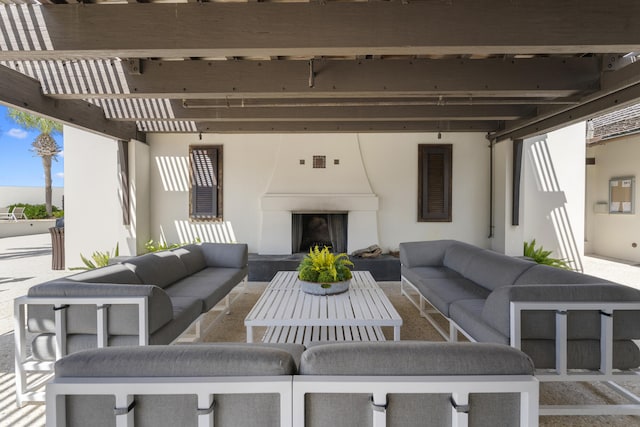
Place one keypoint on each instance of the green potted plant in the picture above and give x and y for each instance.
(323, 273)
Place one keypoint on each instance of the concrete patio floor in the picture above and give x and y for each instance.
(26, 261)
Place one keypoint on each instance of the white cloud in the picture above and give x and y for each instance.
(61, 154)
(60, 174)
(17, 133)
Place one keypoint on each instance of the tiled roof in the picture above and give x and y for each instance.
(618, 123)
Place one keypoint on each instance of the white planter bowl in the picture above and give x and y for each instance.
(325, 288)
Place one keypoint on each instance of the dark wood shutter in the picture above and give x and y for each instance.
(434, 182)
(205, 182)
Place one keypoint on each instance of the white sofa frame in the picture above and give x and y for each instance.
(124, 390)
(24, 364)
(606, 374)
(459, 386)
(292, 391)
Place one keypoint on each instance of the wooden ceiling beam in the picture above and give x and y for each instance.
(620, 89)
(306, 127)
(346, 114)
(335, 28)
(534, 77)
(22, 92)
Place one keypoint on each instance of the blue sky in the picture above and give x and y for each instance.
(19, 166)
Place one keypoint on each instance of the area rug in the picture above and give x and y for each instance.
(231, 328)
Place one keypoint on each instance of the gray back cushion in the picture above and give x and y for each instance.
(192, 258)
(538, 324)
(545, 274)
(233, 359)
(81, 319)
(115, 273)
(458, 255)
(423, 253)
(231, 255)
(158, 268)
(410, 359)
(493, 270)
(414, 358)
(178, 361)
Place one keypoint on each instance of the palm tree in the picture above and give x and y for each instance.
(44, 145)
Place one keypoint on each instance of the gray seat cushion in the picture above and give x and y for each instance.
(468, 315)
(209, 285)
(414, 274)
(441, 293)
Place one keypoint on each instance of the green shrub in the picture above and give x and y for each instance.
(541, 256)
(37, 211)
(152, 246)
(98, 259)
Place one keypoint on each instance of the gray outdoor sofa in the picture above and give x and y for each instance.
(146, 299)
(575, 327)
(353, 384)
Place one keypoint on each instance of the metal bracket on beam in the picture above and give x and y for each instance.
(312, 74)
(134, 66)
(614, 62)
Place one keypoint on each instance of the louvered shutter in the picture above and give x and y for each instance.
(204, 182)
(434, 198)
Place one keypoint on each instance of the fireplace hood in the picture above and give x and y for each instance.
(297, 186)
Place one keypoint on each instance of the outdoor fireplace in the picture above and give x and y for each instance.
(321, 229)
(337, 191)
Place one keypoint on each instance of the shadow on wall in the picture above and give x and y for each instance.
(551, 203)
(217, 232)
(174, 172)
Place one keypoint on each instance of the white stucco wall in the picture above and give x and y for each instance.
(253, 162)
(140, 196)
(612, 235)
(553, 192)
(506, 238)
(93, 218)
(31, 195)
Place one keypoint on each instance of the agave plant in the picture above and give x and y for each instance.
(542, 256)
(323, 266)
(98, 259)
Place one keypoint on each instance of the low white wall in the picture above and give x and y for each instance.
(390, 162)
(25, 227)
(32, 195)
(613, 235)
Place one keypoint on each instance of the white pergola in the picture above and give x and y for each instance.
(508, 69)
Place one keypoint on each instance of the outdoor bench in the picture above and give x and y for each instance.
(373, 384)
(149, 299)
(575, 327)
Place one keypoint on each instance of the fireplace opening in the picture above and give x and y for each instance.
(322, 229)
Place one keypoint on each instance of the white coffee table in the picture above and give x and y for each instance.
(291, 315)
